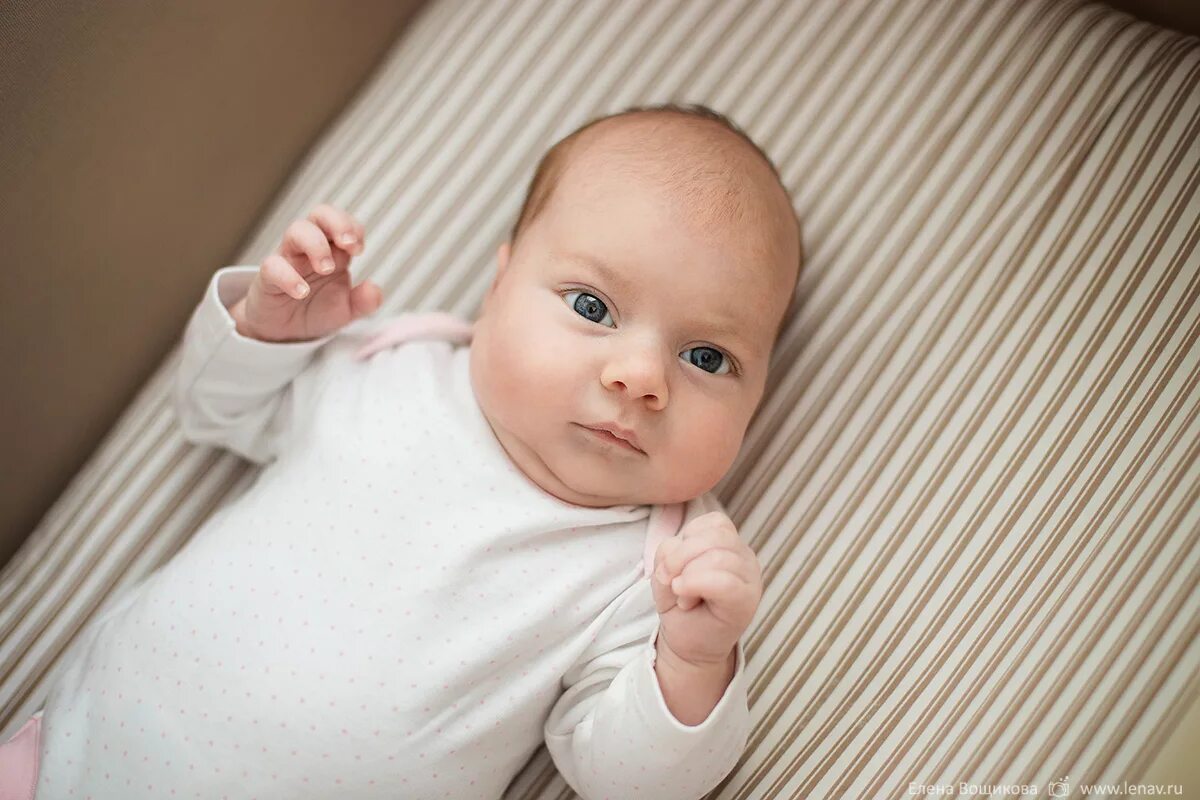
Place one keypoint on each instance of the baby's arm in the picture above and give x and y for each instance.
(253, 337)
(231, 390)
(611, 733)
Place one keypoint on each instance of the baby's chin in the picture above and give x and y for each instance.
(574, 465)
(606, 481)
(584, 479)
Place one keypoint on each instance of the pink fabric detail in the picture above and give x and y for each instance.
(418, 325)
(663, 524)
(19, 761)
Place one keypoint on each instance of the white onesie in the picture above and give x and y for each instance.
(392, 609)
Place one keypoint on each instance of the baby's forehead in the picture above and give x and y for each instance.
(718, 186)
(736, 233)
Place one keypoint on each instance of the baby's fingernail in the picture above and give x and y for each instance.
(326, 265)
(347, 238)
(301, 289)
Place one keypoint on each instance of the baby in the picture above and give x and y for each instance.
(490, 536)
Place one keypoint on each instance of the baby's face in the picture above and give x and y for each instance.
(618, 309)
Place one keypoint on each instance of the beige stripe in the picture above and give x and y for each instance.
(818, 60)
(767, 672)
(903, 75)
(1025, 658)
(956, 257)
(996, 770)
(839, 95)
(994, 728)
(1137, 329)
(1063, 482)
(80, 500)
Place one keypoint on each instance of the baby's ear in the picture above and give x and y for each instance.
(502, 254)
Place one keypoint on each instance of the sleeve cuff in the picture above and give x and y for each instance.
(271, 361)
(730, 709)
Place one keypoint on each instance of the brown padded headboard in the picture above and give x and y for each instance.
(139, 144)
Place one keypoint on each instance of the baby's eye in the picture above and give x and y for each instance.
(705, 357)
(592, 308)
(589, 306)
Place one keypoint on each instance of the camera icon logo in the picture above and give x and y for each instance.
(1060, 787)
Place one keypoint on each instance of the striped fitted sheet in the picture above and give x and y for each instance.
(972, 482)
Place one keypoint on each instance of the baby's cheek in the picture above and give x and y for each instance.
(526, 366)
(546, 352)
(705, 449)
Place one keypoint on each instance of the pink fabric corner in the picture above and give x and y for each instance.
(662, 525)
(421, 325)
(19, 761)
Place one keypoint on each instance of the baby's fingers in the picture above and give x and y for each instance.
(278, 276)
(339, 227)
(305, 247)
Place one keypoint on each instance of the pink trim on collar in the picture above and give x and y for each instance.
(663, 524)
(418, 325)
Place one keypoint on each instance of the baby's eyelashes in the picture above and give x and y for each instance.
(588, 306)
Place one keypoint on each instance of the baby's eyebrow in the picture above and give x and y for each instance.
(602, 269)
(730, 332)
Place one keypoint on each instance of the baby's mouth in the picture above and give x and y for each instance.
(605, 436)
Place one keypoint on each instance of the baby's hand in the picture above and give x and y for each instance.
(707, 584)
(302, 290)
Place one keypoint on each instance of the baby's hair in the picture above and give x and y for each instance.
(553, 164)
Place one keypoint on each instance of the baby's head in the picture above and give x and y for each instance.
(645, 282)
